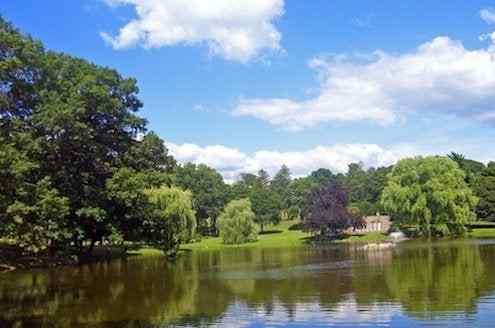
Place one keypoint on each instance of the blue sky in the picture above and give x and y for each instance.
(249, 84)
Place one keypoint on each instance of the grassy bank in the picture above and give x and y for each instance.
(482, 233)
(280, 236)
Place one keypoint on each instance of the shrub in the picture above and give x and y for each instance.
(236, 223)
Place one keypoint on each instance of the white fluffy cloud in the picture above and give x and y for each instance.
(488, 15)
(440, 76)
(234, 29)
(230, 162)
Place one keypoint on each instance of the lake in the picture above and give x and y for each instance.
(415, 284)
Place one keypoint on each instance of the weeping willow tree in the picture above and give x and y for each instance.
(236, 223)
(429, 193)
(172, 219)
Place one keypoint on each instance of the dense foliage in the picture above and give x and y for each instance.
(485, 190)
(171, 220)
(430, 194)
(78, 168)
(209, 193)
(236, 223)
(328, 213)
(68, 129)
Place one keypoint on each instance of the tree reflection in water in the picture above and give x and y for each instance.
(419, 280)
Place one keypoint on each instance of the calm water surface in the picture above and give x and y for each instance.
(442, 284)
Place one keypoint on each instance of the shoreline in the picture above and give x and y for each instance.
(281, 236)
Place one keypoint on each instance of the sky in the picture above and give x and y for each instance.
(242, 85)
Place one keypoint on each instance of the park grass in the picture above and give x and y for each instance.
(279, 236)
(482, 233)
(372, 237)
(282, 235)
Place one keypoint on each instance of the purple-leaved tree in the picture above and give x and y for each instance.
(327, 213)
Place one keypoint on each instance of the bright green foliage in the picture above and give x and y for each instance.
(485, 190)
(209, 193)
(429, 193)
(172, 218)
(236, 223)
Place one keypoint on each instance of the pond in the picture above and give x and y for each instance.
(415, 284)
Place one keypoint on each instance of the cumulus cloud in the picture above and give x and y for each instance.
(488, 15)
(230, 162)
(237, 30)
(440, 76)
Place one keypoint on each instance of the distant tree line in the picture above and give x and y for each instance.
(78, 168)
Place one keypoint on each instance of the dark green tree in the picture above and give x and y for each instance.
(210, 193)
(484, 187)
(471, 168)
(264, 178)
(149, 153)
(322, 176)
(266, 206)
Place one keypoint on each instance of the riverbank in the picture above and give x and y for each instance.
(13, 258)
(284, 235)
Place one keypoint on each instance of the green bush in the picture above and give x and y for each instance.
(236, 223)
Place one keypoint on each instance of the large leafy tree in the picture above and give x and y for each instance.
(67, 130)
(327, 213)
(149, 153)
(236, 223)
(485, 190)
(322, 176)
(85, 122)
(281, 182)
(431, 194)
(32, 210)
(209, 193)
(266, 206)
(299, 191)
(127, 199)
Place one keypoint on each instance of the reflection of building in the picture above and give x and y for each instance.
(376, 223)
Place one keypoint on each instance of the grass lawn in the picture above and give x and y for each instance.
(279, 236)
(482, 233)
(372, 237)
(274, 237)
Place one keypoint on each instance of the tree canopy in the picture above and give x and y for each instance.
(209, 193)
(236, 223)
(327, 213)
(430, 193)
(172, 219)
(485, 190)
